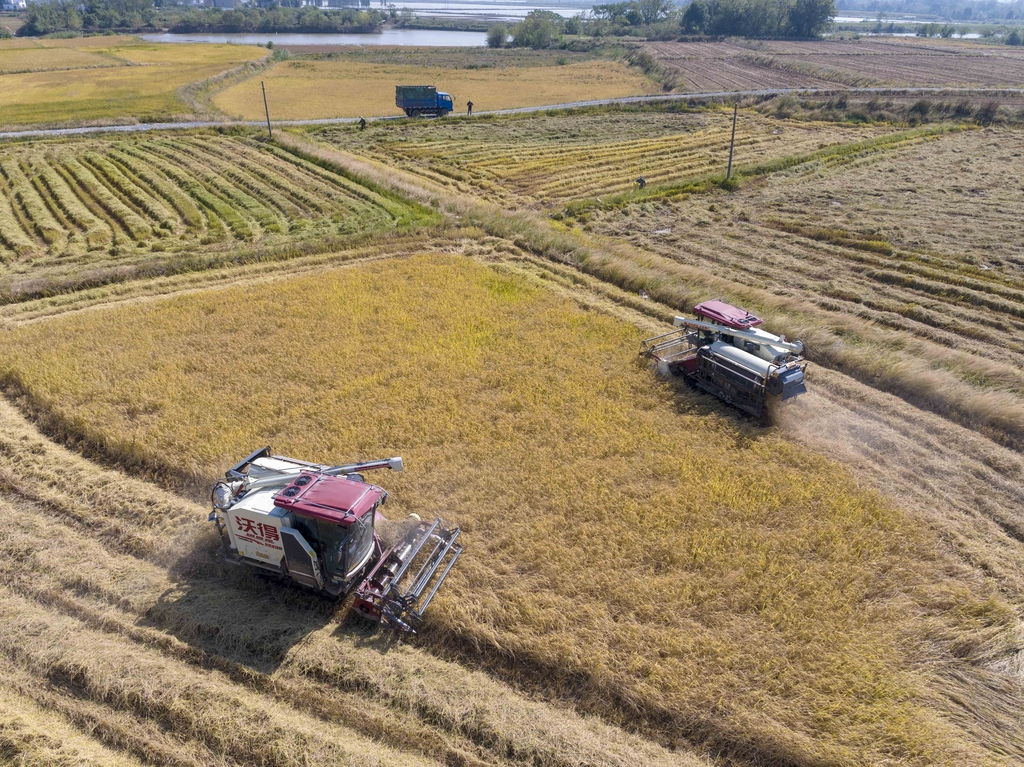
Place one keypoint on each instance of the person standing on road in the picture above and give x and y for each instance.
(469, 107)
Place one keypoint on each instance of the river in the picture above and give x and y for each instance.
(426, 37)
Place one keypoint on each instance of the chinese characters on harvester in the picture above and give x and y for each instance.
(257, 532)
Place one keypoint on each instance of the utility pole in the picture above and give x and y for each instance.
(271, 130)
(732, 142)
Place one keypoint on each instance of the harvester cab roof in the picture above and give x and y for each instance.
(337, 500)
(721, 313)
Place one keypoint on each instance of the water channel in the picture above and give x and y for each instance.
(426, 37)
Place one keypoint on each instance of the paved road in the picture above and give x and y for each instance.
(703, 96)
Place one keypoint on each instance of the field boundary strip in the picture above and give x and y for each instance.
(627, 100)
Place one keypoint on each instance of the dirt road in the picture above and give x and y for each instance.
(670, 97)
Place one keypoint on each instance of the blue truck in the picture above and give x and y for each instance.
(422, 100)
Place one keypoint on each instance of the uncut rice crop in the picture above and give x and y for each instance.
(349, 87)
(641, 558)
(230, 665)
(103, 78)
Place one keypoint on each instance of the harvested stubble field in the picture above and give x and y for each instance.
(601, 517)
(90, 210)
(551, 159)
(62, 82)
(354, 85)
(899, 265)
(744, 65)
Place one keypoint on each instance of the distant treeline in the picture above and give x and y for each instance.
(51, 16)
(758, 18)
(961, 10)
(71, 16)
(279, 20)
(660, 19)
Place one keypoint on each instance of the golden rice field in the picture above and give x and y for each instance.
(100, 78)
(628, 552)
(145, 651)
(352, 87)
(552, 159)
(83, 206)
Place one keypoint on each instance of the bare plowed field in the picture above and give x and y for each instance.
(551, 159)
(712, 67)
(74, 207)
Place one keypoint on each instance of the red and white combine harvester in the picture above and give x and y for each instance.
(314, 524)
(725, 352)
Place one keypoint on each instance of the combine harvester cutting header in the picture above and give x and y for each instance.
(315, 524)
(725, 353)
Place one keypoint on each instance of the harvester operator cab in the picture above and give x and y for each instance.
(335, 516)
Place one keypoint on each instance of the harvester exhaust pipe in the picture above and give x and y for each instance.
(395, 464)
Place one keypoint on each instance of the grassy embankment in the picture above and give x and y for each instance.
(357, 84)
(59, 82)
(650, 562)
(90, 211)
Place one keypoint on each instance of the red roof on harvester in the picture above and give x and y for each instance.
(727, 314)
(334, 499)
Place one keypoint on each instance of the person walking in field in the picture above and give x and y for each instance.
(362, 123)
(641, 182)
(469, 107)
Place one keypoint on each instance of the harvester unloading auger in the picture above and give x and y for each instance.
(725, 353)
(314, 524)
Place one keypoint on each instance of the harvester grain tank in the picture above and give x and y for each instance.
(315, 524)
(417, 100)
(725, 352)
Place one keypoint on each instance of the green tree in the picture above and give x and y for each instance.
(652, 11)
(696, 17)
(51, 16)
(497, 36)
(540, 29)
(1014, 38)
(809, 18)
